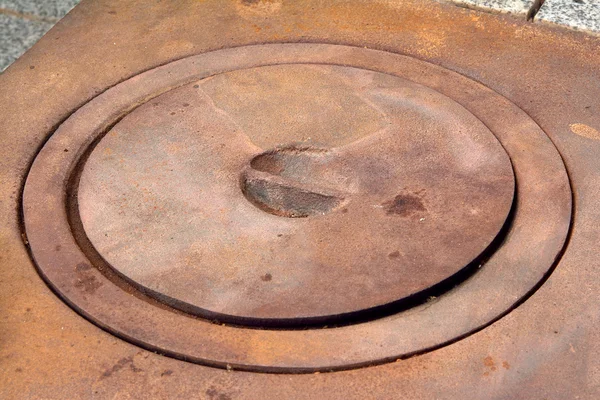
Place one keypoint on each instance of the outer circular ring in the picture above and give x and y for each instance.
(533, 243)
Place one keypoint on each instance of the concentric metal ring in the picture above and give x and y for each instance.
(531, 246)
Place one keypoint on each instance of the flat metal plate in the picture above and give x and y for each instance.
(541, 344)
(399, 186)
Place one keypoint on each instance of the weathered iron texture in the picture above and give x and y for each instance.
(263, 199)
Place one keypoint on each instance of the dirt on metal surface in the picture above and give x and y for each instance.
(287, 146)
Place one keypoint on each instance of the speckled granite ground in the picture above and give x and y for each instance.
(17, 35)
(576, 14)
(23, 22)
(503, 6)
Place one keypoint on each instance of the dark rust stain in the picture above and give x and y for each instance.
(266, 277)
(85, 281)
(82, 267)
(119, 365)
(214, 394)
(88, 284)
(404, 205)
(394, 254)
(58, 247)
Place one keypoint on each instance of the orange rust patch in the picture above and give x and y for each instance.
(488, 361)
(585, 131)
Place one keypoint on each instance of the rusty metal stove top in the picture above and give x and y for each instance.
(346, 206)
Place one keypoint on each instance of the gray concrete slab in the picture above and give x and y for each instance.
(51, 9)
(577, 14)
(17, 35)
(502, 6)
(24, 22)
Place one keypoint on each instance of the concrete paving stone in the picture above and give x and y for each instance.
(502, 6)
(52, 9)
(577, 14)
(17, 35)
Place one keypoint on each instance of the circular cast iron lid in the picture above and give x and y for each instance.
(294, 194)
(288, 184)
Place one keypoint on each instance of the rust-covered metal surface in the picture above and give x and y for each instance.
(332, 202)
(266, 199)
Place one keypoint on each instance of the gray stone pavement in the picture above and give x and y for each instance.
(24, 22)
(501, 6)
(17, 35)
(576, 14)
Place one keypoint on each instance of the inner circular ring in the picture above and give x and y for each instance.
(404, 188)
